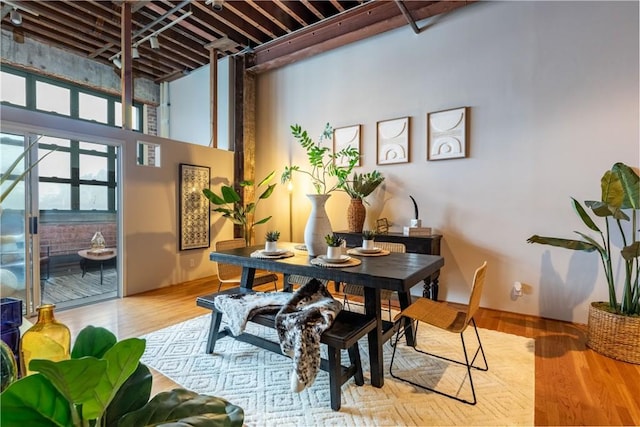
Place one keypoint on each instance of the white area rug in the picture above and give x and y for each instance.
(258, 380)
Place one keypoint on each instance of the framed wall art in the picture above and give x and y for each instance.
(393, 141)
(447, 134)
(194, 207)
(344, 137)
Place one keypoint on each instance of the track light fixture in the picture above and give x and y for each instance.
(135, 54)
(117, 62)
(16, 18)
(153, 41)
(216, 4)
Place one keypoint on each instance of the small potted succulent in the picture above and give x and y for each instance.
(367, 239)
(271, 244)
(334, 246)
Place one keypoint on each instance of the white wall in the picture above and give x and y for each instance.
(553, 94)
(149, 222)
(190, 108)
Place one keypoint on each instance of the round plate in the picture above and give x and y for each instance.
(368, 251)
(343, 258)
(273, 253)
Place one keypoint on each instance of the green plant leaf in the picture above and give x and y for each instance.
(213, 198)
(630, 183)
(229, 194)
(122, 361)
(93, 341)
(577, 245)
(74, 378)
(267, 178)
(133, 395)
(632, 251)
(263, 220)
(267, 192)
(34, 402)
(584, 215)
(183, 406)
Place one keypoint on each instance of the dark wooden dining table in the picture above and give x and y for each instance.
(397, 272)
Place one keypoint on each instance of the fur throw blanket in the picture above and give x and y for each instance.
(300, 324)
(238, 309)
(302, 318)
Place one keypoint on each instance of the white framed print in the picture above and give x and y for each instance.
(393, 141)
(447, 134)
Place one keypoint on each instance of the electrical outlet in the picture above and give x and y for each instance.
(517, 289)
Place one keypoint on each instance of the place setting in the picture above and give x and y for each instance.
(272, 254)
(334, 256)
(372, 251)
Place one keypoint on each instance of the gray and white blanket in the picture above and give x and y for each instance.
(301, 319)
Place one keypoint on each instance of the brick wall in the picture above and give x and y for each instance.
(67, 239)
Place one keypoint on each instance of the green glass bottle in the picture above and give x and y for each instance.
(47, 339)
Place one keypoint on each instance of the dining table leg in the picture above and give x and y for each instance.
(246, 279)
(404, 298)
(373, 307)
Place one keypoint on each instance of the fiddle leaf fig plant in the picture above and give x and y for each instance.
(104, 384)
(324, 164)
(620, 192)
(230, 205)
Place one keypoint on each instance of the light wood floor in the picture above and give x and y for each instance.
(574, 385)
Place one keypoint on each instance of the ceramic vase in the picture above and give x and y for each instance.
(318, 225)
(368, 244)
(47, 339)
(270, 246)
(334, 252)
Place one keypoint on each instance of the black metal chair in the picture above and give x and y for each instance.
(450, 319)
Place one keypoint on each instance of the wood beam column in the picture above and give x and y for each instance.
(126, 73)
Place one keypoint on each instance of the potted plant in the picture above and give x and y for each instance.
(367, 239)
(324, 164)
(104, 384)
(334, 246)
(359, 187)
(614, 326)
(231, 206)
(271, 244)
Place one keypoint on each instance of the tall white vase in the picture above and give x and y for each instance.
(318, 226)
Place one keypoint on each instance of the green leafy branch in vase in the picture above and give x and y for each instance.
(323, 162)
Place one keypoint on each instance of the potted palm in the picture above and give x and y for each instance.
(328, 172)
(614, 326)
(230, 205)
(359, 187)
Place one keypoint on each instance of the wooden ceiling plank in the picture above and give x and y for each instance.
(277, 14)
(356, 24)
(297, 11)
(204, 13)
(252, 15)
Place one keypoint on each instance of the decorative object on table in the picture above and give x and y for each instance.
(415, 221)
(105, 385)
(194, 209)
(359, 187)
(98, 241)
(271, 243)
(393, 141)
(382, 226)
(417, 231)
(230, 205)
(324, 165)
(334, 246)
(11, 321)
(47, 339)
(447, 137)
(345, 137)
(614, 327)
(368, 237)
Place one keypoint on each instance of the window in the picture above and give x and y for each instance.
(14, 89)
(36, 92)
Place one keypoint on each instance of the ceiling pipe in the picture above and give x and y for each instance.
(408, 16)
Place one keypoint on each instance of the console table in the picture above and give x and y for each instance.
(429, 245)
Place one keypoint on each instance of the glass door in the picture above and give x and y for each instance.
(15, 242)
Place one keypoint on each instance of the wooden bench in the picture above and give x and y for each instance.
(347, 328)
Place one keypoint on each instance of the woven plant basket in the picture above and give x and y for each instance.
(614, 335)
(356, 213)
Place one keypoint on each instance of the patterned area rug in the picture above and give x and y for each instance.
(258, 380)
